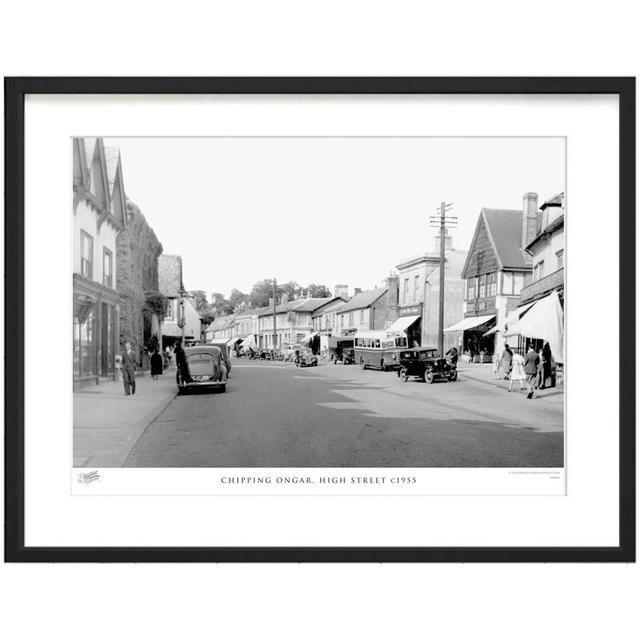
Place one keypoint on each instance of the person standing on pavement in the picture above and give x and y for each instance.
(156, 364)
(531, 362)
(453, 355)
(517, 371)
(505, 361)
(129, 370)
(181, 363)
(496, 366)
(541, 366)
(548, 366)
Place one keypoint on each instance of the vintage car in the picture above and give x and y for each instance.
(425, 364)
(341, 350)
(304, 358)
(225, 347)
(203, 369)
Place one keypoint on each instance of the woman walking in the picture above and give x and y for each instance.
(517, 371)
(505, 361)
(156, 364)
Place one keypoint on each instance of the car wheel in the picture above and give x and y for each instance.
(429, 377)
(223, 388)
(403, 374)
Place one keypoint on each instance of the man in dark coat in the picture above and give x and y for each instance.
(183, 368)
(129, 370)
(531, 361)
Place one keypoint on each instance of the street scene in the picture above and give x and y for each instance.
(441, 346)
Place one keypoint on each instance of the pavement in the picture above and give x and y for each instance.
(107, 424)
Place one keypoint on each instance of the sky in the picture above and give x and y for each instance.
(322, 210)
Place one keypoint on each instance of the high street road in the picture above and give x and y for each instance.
(276, 415)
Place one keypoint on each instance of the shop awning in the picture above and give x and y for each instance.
(469, 323)
(402, 324)
(544, 321)
(514, 316)
(249, 341)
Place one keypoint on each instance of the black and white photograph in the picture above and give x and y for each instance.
(318, 302)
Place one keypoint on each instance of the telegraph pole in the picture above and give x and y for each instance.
(274, 314)
(443, 221)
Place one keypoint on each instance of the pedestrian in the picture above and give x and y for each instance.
(496, 366)
(129, 370)
(118, 365)
(156, 364)
(517, 371)
(548, 366)
(505, 361)
(453, 355)
(182, 374)
(531, 370)
(541, 367)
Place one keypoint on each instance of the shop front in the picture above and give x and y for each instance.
(473, 337)
(95, 327)
(409, 323)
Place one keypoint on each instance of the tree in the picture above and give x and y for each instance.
(238, 300)
(220, 306)
(261, 292)
(200, 300)
(291, 289)
(318, 291)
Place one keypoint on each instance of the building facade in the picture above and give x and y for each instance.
(293, 322)
(179, 308)
(138, 250)
(497, 268)
(374, 309)
(547, 252)
(99, 215)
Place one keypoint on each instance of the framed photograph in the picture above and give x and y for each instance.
(320, 319)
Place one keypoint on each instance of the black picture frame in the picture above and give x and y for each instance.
(15, 91)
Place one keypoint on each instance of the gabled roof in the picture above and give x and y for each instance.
(363, 300)
(112, 157)
(223, 322)
(554, 201)
(303, 304)
(505, 231)
(335, 309)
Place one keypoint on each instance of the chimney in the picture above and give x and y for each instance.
(393, 291)
(341, 291)
(529, 218)
(448, 241)
(356, 291)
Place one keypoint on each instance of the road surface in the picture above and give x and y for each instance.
(276, 415)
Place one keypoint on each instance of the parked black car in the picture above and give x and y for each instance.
(425, 363)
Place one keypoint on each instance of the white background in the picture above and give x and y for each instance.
(370, 38)
(587, 516)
